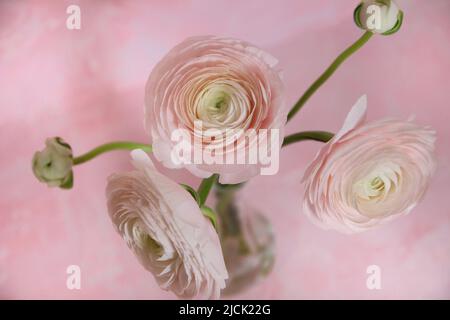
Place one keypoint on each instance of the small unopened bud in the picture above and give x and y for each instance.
(378, 16)
(53, 165)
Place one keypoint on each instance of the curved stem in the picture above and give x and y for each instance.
(205, 187)
(323, 136)
(116, 145)
(328, 72)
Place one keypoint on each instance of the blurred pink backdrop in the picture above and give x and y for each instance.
(87, 86)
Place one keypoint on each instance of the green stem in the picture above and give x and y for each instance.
(322, 136)
(205, 187)
(116, 145)
(328, 72)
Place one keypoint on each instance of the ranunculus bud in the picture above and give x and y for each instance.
(378, 16)
(53, 165)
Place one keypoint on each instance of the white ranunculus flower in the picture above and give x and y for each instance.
(369, 172)
(163, 225)
(231, 88)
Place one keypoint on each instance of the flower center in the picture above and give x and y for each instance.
(214, 105)
(378, 184)
(146, 242)
(221, 105)
(219, 102)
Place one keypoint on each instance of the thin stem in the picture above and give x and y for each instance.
(116, 145)
(328, 72)
(322, 136)
(205, 187)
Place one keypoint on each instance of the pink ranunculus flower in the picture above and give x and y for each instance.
(230, 87)
(368, 173)
(164, 227)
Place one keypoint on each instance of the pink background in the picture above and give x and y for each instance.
(87, 86)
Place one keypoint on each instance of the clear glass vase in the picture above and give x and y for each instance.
(247, 240)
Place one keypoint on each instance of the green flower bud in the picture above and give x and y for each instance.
(53, 165)
(378, 16)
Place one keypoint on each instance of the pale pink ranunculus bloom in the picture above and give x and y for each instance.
(368, 173)
(164, 227)
(225, 83)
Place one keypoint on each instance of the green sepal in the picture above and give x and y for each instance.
(356, 14)
(63, 143)
(210, 214)
(68, 183)
(397, 26)
(192, 191)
